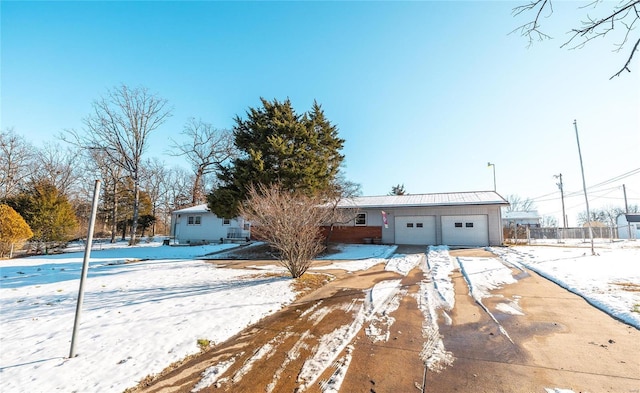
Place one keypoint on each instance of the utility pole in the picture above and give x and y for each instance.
(584, 187)
(626, 210)
(559, 184)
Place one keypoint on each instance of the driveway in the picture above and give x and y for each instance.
(554, 339)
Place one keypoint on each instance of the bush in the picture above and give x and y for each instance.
(14, 230)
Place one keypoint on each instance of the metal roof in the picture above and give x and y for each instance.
(632, 217)
(426, 200)
(194, 209)
(411, 200)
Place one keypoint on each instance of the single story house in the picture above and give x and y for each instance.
(454, 219)
(527, 219)
(198, 225)
(629, 226)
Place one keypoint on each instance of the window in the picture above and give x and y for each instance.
(458, 225)
(409, 225)
(468, 225)
(361, 219)
(418, 225)
(194, 220)
(226, 221)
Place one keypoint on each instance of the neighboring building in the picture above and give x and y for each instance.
(528, 219)
(454, 219)
(198, 225)
(629, 226)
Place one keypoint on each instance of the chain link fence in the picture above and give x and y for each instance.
(526, 235)
(27, 249)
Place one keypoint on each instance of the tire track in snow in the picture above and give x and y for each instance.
(264, 352)
(332, 385)
(210, 375)
(329, 347)
(440, 266)
(292, 355)
(379, 302)
(480, 291)
(433, 354)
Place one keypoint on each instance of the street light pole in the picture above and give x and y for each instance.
(494, 174)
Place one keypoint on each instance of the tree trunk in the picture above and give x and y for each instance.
(114, 213)
(153, 226)
(195, 195)
(136, 206)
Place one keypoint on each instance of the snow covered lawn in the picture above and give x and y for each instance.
(137, 317)
(140, 317)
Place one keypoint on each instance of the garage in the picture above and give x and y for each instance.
(418, 230)
(467, 230)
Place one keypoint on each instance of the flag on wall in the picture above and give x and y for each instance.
(384, 219)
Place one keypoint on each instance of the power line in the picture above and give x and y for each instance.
(579, 193)
(603, 183)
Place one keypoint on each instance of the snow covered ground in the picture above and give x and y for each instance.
(609, 280)
(140, 317)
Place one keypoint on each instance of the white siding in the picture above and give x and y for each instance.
(210, 229)
(628, 230)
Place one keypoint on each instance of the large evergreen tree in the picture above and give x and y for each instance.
(300, 153)
(398, 190)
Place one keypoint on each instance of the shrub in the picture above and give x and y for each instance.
(14, 230)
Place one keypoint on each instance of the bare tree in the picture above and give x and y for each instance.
(176, 195)
(120, 125)
(178, 182)
(624, 18)
(290, 222)
(112, 176)
(16, 162)
(517, 204)
(59, 166)
(154, 183)
(206, 149)
(607, 215)
(596, 216)
(549, 222)
(341, 190)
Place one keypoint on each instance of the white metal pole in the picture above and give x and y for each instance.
(493, 166)
(85, 268)
(584, 187)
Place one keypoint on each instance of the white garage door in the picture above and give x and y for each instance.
(472, 230)
(415, 230)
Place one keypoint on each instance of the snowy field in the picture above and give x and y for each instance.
(140, 317)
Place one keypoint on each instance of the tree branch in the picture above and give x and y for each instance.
(627, 15)
(626, 65)
(531, 29)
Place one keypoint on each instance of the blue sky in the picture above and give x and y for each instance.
(424, 93)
